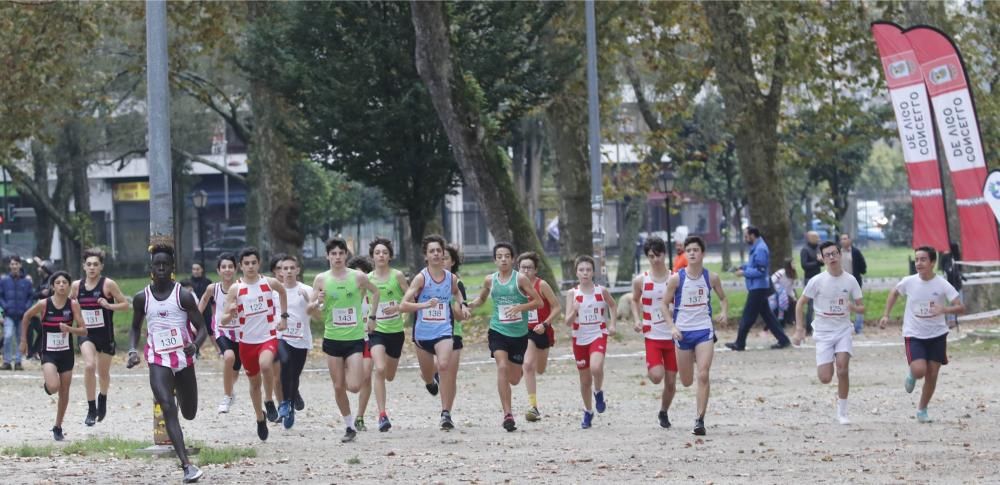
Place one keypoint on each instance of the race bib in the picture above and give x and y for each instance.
(344, 316)
(93, 318)
(837, 306)
(532, 317)
(657, 315)
(925, 309)
(382, 307)
(256, 308)
(167, 340)
(590, 317)
(695, 297)
(505, 316)
(232, 323)
(56, 341)
(295, 330)
(435, 314)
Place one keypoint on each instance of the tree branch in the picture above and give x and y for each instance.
(230, 115)
(640, 98)
(31, 191)
(204, 161)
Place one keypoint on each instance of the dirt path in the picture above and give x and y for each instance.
(769, 421)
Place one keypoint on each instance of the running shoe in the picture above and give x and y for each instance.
(533, 415)
(384, 424)
(300, 404)
(271, 411)
(909, 383)
(349, 435)
(262, 430)
(192, 473)
(225, 403)
(446, 422)
(6, 366)
(57, 433)
(283, 409)
(664, 419)
(290, 419)
(699, 427)
(588, 419)
(17, 366)
(91, 417)
(922, 416)
(102, 407)
(842, 412)
(508, 423)
(433, 386)
(359, 424)
(599, 401)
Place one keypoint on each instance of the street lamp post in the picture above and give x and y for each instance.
(665, 183)
(200, 199)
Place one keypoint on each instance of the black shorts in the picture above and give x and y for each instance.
(225, 343)
(514, 346)
(393, 342)
(343, 348)
(103, 341)
(542, 341)
(457, 342)
(428, 345)
(930, 349)
(63, 360)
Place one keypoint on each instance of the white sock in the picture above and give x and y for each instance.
(590, 411)
(349, 421)
(842, 406)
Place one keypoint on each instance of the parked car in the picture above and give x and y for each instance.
(214, 248)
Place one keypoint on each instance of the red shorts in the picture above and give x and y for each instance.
(582, 352)
(367, 353)
(250, 355)
(661, 352)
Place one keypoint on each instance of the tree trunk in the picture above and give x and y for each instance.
(528, 139)
(418, 226)
(635, 214)
(481, 160)
(753, 117)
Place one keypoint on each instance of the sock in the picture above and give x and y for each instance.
(349, 421)
(842, 406)
(383, 414)
(589, 411)
(533, 400)
(92, 406)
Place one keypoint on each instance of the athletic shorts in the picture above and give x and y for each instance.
(102, 341)
(828, 344)
(393, 342)
(367, 353)
(661, 353)
(343, 348)
(930, 349)
(582, 352)
(428, 345)
(514, 346)
(63, 360)
(250, 354)
(226, 344)
(543, 341)
(457, 342)
(690, 339)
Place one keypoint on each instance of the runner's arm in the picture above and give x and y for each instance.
(196, 318)
(121, 303)
(314, 300)
(364, 282)
(74, 288)
(612, 311)
(554, 305)
(723, 315)
(26, 321)
(78, 328)
(534, 300)
(956, 308)
(800, 317)
(138, 314)
(484, 293)
(409, 304)
(571, 308)
(206, 297)
(636, 302)
(889, 303)
(668, 296)
(230, 309)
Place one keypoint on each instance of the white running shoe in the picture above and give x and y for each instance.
(842, 412)
(226, 403)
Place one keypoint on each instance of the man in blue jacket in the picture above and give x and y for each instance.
(16, 294)
(757, 274)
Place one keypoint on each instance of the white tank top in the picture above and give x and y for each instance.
(167, 330)
(230, 330)
(298, 334)
(591, 318)
(693, 302)
(654, 325)
(256, 311)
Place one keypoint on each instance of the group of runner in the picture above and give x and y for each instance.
(262, 325)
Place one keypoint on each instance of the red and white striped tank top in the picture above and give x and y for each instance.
(256, 310)
(654, 325)
(592, 316)
(167, 331)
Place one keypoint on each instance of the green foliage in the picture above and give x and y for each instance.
(221, 456)
(884, 172)
(29, 451)
(899, 232)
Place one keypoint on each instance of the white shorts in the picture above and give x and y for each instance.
(828, 344)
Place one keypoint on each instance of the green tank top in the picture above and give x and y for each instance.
(342, 318)
(389, 291)
(505, 295)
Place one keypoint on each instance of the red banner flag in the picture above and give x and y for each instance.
(955, 115)
(916, 133)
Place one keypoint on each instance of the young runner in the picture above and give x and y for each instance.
(60, 317)
(296, 340)
(435, 296)
(541, 336)
(227, 338)
(276, 395)
(251, 300)
(690, 323)
(341, 291)
(170, 348)
(591, 313)
(928, 298)
(387, 340)
(513, 297)
(99, 297)
(648, 303)
(365, 266)
(835, 294)
(451, 261)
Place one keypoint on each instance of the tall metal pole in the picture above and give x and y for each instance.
(594, 138)
(670, 237)
(161, 214)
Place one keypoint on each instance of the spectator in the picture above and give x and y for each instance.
(16, 295)
(199, 282)
(43, 290)
(854, 263)
(784, 283)
(812, 263)
(758, 285)
(680, 260)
